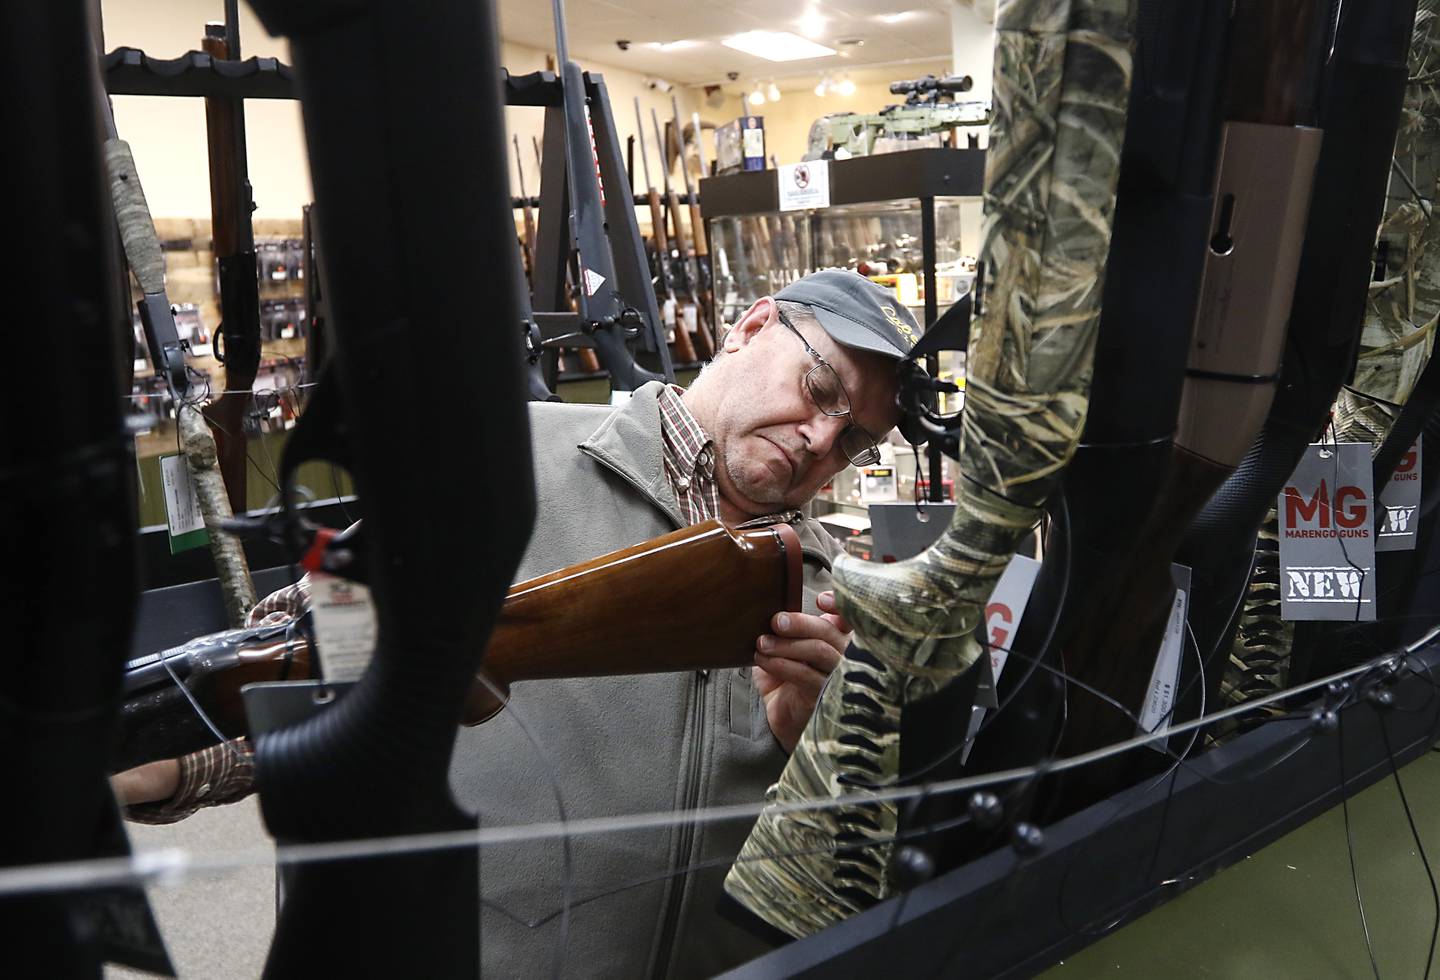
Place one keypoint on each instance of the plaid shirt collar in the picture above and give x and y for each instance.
(688, 455)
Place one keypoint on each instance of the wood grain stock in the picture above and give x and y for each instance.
(694, 599)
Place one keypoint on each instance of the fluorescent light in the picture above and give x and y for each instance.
(812, 24)
(903, 15)
(673, 45)
(777, 46)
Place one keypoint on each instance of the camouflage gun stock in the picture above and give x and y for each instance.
(1061, 83)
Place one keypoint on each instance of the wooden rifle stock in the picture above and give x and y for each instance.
(618, 613)
(627, 612)
(234, 248)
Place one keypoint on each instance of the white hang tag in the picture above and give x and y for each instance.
(182, 505)
(344, 619)
(1400, 500)
(618, 397)
(593, 282)
(1327, 545)
(1156, 712)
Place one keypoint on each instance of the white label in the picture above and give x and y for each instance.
(618, 397)
(804, 185)
(182, 506)
(1002, 618)
(1327, 545)
(1401, 502)
(344, 626)
(1165, 678)
(667, 313)
(593, 282)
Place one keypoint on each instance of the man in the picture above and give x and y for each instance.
(804, 384)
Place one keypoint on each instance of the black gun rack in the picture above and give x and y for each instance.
(129, 71)
(1001, 915)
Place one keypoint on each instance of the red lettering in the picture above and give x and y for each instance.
(1407, 462)
(998, 611)
(1297, 509)
(1352, 516)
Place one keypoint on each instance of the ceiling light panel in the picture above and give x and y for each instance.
(777, 46)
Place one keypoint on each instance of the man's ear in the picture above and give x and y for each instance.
(749, 324)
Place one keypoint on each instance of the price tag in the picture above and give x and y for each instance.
(1327, 546)
(804, 185)
(182, 505)
(1165, 678)
(1401, 500)
(344, 626)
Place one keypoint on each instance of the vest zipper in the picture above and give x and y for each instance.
(690, 798)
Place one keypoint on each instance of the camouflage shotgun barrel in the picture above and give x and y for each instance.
(1396, 342)
(1061, 90)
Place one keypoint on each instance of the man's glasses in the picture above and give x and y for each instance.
(823, 387)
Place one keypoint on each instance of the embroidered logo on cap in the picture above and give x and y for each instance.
(900, 324)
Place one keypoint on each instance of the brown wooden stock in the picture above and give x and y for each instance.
(694, 599)
(226, 414)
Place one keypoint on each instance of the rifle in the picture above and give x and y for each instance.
(1360, 110)
(528, 248)
(147, 263)
(1262, 195)
(700, 264)
(233, 242)
(680, 252)
(684, 348)
(580, 621)
(1029, 362)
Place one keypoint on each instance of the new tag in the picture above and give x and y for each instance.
(1327, 547)
(344, 626)
(1400, 499)
(182, 506)
(1159, 704)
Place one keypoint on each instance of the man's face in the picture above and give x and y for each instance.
(774, 447)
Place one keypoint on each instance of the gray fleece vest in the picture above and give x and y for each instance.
(614, 746)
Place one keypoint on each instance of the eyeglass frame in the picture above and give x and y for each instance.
(871, 453)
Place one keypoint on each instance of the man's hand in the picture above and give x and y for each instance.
(793, 662)
(148, 783)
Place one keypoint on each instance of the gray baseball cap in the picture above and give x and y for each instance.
(856, 312)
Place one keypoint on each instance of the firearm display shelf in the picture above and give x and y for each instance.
(910, 220)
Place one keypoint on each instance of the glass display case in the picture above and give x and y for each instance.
(910, 221)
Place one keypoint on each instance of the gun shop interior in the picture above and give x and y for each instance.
(925, 486)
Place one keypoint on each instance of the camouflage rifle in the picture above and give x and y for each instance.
(1062, 79)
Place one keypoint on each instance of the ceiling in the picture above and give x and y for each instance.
(893, 31)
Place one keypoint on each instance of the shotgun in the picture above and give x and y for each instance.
(680, 247)
(233, 242)
(580, 621)
(684, 348)
(589, 362)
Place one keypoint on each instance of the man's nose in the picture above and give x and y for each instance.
(821, 432)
